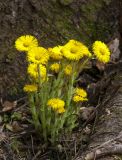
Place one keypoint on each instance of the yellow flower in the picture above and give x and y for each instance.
(33, 71)
(80, 95)
(61, 110)
(101, 51)
(72, 50)
(38, 55)
(55, 53)
(85, 51)
(24, 43)
(80, 92)
(56, 104)
(55, 67)
(30, 88)
(79, 98)
(75, 50)
(68, 70)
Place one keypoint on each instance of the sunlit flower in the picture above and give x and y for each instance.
(24, 43)
(55, 53)
(38, 55)
(80, 95)
(79, 98)
(85, 51)
(61, 110)
(72, 50)
(30, 88)
(55, 67)
(56, 104)
(33, 71)
(68, 70)
(80, 92)
(101, 51)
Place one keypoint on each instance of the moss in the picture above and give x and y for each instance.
(54, 22)
(66, 2)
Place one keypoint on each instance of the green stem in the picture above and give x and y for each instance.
(70, 87)
(42, 110)
(33, 111)
(84, 63)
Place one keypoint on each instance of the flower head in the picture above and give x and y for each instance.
(101, 51)
(85, 51)
(33, 71)
(24, 43)
(80, 92)
(68, 70)
(79, 98)
(30, 88)
(55, 67)
(55, 53)
(80, 95)
(38, 55)
(61, 110)
(56, 104)
(72, 50)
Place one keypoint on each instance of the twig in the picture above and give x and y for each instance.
(36, 155)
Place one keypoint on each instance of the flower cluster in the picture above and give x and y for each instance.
(52, 72)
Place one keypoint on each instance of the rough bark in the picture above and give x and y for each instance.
(106, 142)
(52, 22)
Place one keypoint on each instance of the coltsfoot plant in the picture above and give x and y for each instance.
(53, 100)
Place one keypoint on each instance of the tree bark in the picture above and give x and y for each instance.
(106, 142)
(53, 22)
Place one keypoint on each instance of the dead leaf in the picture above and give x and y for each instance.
(7, 105)
(115, 51)
(100, 66)
(108, 112)
(87, 130)
(3, 137)
(90, 156)
(16, 127)
(93, 155)
(9, 127)
(86, 113)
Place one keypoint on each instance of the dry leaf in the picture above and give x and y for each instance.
(86, 113)
(87, 130)
(3, 137)
(100, 66)
(7, 105)
(9, 127)
(16, 127)
(115, 51)
(92, 155)
(89, 156)
(108, 112)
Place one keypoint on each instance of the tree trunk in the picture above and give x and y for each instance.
(106, 142)
(53, 22)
